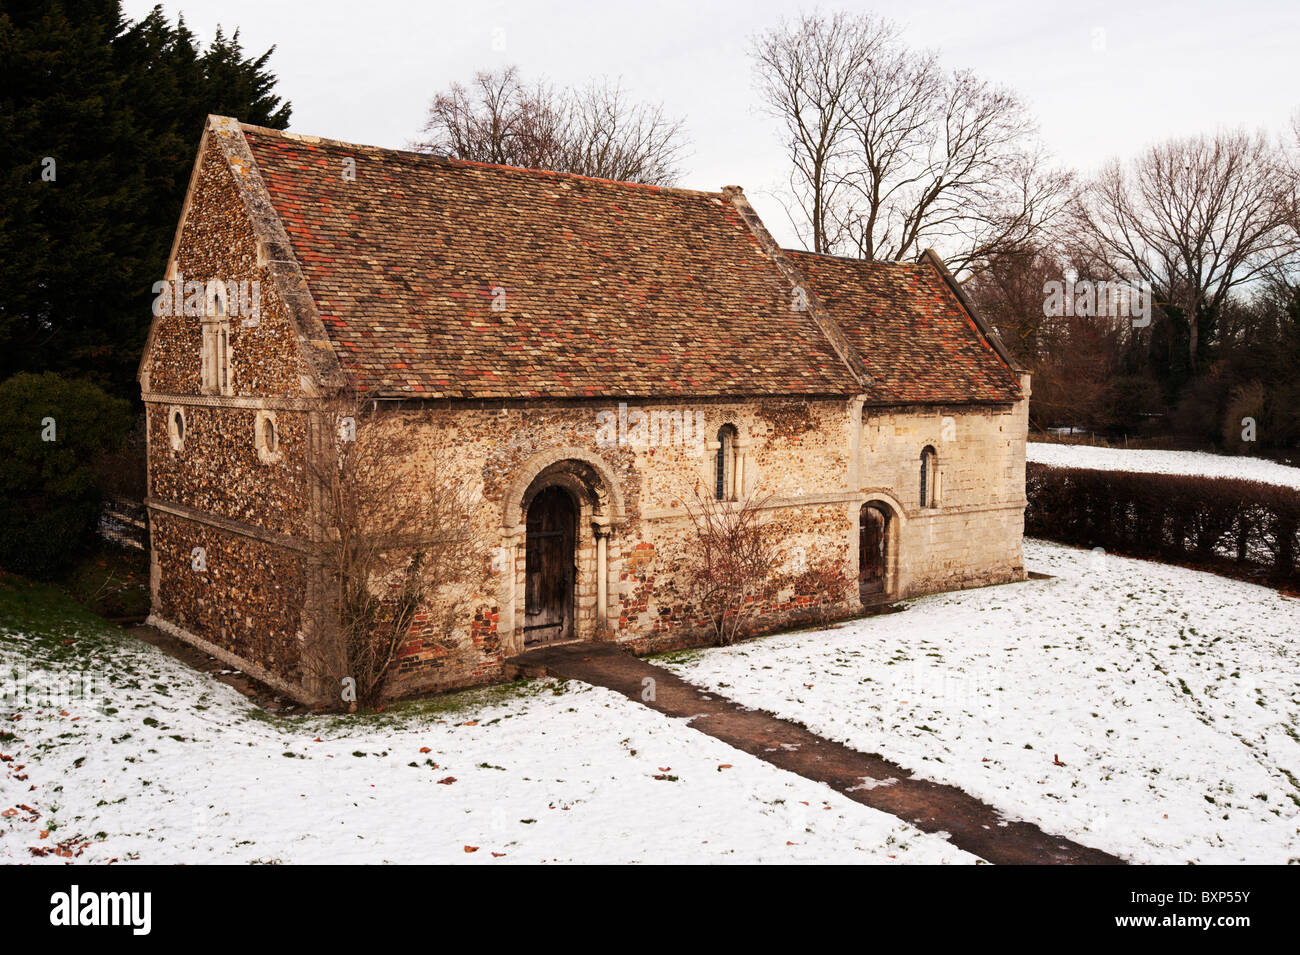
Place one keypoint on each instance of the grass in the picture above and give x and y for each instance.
(113, 582)
(46, 618)
(45, 628)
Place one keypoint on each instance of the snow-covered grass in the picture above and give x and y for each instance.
(1162, 462)
(144, 759)
(1140, 708)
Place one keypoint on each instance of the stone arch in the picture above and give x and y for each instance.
(710, 427)
(886, 499)
(582, 473)
(895, 518)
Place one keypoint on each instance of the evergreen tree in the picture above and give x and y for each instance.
(100, 118)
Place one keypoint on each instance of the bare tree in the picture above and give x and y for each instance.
(1195, 217)
(808, 72)
(395, 542)
(608, 137)
(891, 154)
(497, 120)
(730, 561)
(594, 130)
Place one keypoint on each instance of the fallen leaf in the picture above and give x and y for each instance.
(471, 848)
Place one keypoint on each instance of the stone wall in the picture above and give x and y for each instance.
(228, 527)
(632, 469)
(972, 536)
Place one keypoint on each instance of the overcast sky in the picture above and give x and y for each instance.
(1102, 78)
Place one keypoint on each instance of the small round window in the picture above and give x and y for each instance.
(266, 437)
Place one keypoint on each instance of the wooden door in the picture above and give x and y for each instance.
(549, 570)
(873, 540)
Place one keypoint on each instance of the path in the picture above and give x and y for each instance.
(868, 779)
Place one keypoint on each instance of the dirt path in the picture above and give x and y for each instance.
(871, 780)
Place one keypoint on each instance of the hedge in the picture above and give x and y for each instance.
(1246, 528)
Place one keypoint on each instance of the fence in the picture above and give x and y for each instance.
(124, 522)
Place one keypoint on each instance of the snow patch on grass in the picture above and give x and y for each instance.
(1162, 462)
(1144, 709)
(158, 763)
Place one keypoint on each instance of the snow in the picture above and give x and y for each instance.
(1172, 697)
(158, 763)
(1162, 462)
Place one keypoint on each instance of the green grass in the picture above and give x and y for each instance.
(48, 622)
(113, 582)
(43, 628)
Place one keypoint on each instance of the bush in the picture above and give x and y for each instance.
(1245, 527)
(52, 431)
(1245, 401)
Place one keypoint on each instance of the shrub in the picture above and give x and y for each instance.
(52, 431)
(1245, 401)
(1247, 527)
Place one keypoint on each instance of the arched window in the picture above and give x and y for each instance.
(929, 472)
(725, 466)
(176, 428)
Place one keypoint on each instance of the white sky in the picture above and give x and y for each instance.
(364, 70)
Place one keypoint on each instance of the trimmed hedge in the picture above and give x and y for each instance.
(1246, 528)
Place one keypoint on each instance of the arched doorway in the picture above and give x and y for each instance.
(873, 552)
(550, 566)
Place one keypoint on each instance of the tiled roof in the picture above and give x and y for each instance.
(609, 288)
(918, 342)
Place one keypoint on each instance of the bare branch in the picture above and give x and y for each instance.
(593, 131)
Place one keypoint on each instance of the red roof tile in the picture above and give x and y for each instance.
(610, 289)
(918, 342)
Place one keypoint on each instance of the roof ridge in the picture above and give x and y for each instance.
(454, 161)
(849, 258)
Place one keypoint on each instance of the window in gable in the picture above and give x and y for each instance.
(215, 371)
(215, 358)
